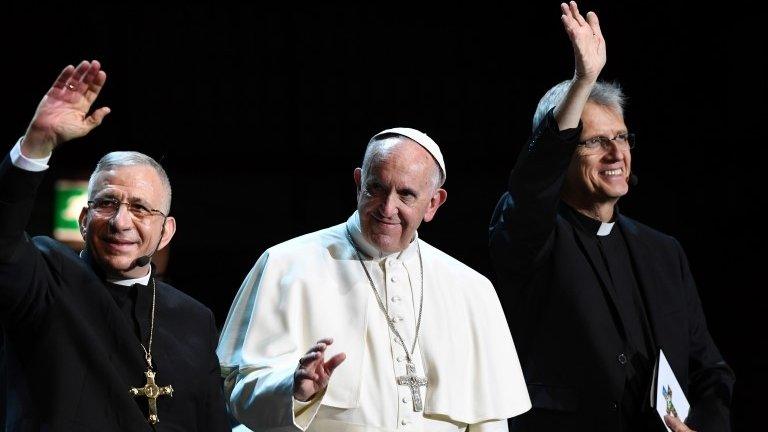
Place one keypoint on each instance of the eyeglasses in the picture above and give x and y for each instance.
(108, 207)
(622, 140)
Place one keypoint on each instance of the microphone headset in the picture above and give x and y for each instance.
(145, 259)
(632, 179)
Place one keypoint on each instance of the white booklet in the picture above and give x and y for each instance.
(667, 396)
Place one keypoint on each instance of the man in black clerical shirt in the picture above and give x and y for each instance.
(93, 340)
(592, 296)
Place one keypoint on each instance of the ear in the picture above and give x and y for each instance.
(358, 174)
(438, 198)
(82, 221)
(169, 229)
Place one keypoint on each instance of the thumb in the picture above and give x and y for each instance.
(334, 362)
(96, 118)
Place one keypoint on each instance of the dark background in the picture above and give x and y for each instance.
(261, 113)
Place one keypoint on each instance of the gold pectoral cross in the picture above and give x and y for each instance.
(152, 391)
(413, 381)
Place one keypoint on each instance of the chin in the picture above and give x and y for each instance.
(381, 243)
(118, 265)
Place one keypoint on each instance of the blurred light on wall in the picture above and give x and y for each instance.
(70, 198)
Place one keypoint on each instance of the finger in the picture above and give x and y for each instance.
(94, 87)
(309, 358)
(80, 71)
(576, 14)
(594, 23)
(318, 347)
(675, 424)
(565, 9)
(570, 25)
(97, 117)
(91, 73)
(321, 345)
(64, 76)
(334, 362)
(569, 21)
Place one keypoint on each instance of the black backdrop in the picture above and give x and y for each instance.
(260, 114)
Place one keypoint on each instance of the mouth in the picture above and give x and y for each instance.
(119, 244)
(617, 172)
(385, 221)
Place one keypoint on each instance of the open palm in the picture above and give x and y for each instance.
(63, 113)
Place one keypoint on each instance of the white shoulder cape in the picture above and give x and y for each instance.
(313, 286)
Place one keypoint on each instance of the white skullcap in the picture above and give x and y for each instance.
(420, 138)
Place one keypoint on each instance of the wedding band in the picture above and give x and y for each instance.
(70, 86)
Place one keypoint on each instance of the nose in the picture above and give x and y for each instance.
(614, 151)
(122, 219)
(388, 207)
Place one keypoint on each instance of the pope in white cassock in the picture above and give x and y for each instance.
(364, 326)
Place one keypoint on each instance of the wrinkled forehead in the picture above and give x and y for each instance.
(401, 153)
(602, 119)
(132, 182)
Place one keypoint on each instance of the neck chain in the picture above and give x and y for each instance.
(390, 320)
(151, 390)
(148, 348)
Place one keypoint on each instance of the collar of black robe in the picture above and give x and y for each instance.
(134, 301)
(85, 255)
(590, 225)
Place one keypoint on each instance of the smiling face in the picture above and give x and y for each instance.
(397, 191)
(598, 177)
(116, 242)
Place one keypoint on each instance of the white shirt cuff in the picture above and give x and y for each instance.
(25, 163)
(304, 412)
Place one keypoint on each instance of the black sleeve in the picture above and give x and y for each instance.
(710, 380)
(524, 219)
(24, 273)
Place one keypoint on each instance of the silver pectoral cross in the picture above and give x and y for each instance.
(152, 391)
(413, 381)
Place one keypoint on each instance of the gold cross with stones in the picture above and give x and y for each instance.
(413, 381)
(152, 391)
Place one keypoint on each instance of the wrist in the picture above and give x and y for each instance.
(583, 80)
(37, 144)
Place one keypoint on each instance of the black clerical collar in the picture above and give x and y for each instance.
(592, 226)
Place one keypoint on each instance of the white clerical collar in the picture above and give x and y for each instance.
(144, 280)
(353, 224)
(605, 228)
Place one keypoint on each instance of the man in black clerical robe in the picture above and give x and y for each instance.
(592, 295)
(87, 334)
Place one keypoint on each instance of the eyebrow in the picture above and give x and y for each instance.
(132, 200)
(607, 135)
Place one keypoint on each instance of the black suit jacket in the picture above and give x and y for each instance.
(567, 329)
(72, 356)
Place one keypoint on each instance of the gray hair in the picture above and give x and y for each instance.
(131, 158)
(605, 93)
(377, 149)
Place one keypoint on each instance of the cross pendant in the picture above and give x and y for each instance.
(413, 381)
(152, 391)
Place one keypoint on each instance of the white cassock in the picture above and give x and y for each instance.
(313, 287)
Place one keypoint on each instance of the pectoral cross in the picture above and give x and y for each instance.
(152, 391)
(413, 381)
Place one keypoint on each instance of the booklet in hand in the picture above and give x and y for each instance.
(667, 396)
